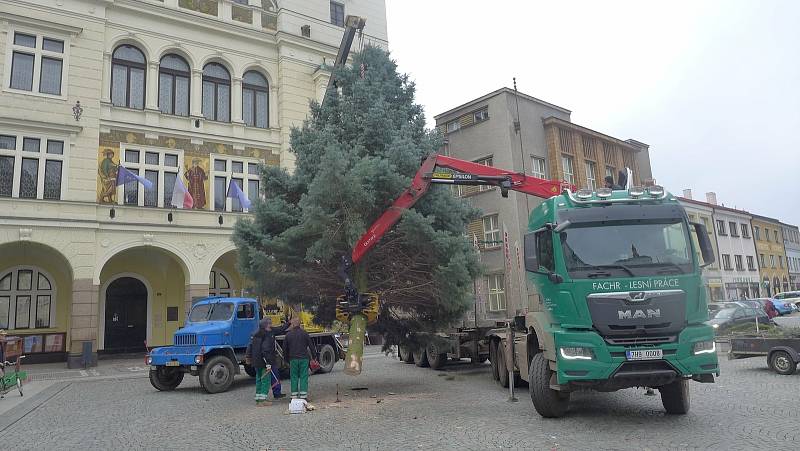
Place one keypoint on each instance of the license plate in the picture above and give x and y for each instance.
(645, 354)
(173, 363)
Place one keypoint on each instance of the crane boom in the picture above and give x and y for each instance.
(353, 25)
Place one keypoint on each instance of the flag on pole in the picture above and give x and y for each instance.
(180, 195)
(125, 176)
(234, 192)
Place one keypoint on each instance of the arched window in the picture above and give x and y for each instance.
(27, 299)
(216, 93)
(219, 284)
(173, 85)
(255, 100)
(128, 77)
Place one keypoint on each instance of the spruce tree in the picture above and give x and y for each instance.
(354, 155)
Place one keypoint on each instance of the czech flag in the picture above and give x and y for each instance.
(234, 192)
(180, 195)
(125, 176)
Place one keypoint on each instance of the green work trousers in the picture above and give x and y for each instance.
(299, 375)
(265, 379)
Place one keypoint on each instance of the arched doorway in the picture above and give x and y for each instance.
(125, 315)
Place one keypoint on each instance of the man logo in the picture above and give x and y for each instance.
(637, 295)
(639, 314)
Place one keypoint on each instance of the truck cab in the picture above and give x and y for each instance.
(213, 342)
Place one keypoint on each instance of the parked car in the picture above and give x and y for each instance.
(753, 303)
(783, 307)
(793, 297)
(729, 317)
(763, 302)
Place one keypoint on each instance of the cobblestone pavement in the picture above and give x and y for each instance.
(404, 407)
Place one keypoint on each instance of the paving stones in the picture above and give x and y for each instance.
(749, 408)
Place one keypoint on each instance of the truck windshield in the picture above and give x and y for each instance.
(627, 249)
(219, 311)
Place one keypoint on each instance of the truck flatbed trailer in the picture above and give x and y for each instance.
(782, 353)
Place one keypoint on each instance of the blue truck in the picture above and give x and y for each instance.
(213, 342)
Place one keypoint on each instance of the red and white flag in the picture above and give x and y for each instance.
(180, 195)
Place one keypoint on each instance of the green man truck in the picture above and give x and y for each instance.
(618, 275)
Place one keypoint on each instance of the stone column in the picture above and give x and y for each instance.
(236, 100)
(193, 291)
(151, 102)
(105, 95)
(83, 322)
(197, 93)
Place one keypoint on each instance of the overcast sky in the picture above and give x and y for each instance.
(711, 86)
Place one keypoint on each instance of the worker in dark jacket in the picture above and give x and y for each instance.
(298, 347)
(261, 356)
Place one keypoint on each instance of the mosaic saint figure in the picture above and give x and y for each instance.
(196, 177)
(108, 177)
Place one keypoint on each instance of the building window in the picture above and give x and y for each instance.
(726, 262)
(255, 100)
(591, 178)
(128, 68)
(216, 93)
(497, 292)
(31, 167)
(481, 115)
(488, 161)
(219, 284)
(565, 137)
(491, 231)
(27, 299)
(337, 14)
(733, 229)
(707, 225)
(745, 231)
(780, 261)
(721, 227)
(772, 261)
(538, 168)
(174, 85)
(243, 171)
(775, 234)
(739, 262)
(766, 233)
(37, 63)
(160, 167)
(751, 264)
(569, 171)
(762, 260)
(453, 126)
(757, 233)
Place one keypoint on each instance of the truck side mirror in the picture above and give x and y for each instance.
(706, 249)
(531, 260)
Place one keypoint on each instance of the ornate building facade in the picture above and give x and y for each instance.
(199, 93)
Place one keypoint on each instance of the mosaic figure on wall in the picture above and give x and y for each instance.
(107, 170)
(196, 177)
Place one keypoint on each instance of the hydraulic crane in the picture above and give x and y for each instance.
(362, 308)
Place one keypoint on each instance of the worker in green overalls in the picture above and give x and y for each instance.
(298, 347)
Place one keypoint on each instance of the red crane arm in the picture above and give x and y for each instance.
(475, 174)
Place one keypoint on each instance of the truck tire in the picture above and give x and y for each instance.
(327, 358)
(405, 354)
(548, 402)
(436, 359)
(250, 370)
(675, 397)
(420, 358)
(164, 379)
(782, 363)
(502, 369)
(493, 360)
(216, 376)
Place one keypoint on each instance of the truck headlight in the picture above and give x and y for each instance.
(149, 360)
(198, 359)
(577, 353)
(705, 347)
(715, 326)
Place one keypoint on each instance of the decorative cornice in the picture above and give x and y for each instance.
(47, 127)
(42, 24)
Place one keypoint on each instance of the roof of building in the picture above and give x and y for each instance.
(630, 144)
(766, 219)
(714, 206)
(503, 90)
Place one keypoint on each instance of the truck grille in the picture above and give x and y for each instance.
(185, 339)
(638, 317)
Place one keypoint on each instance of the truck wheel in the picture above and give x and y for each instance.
(164, 379)
(327, 358)
(405, 354)
(548, 402)
(250, 370)
(436, 359)
(216, 376)
(502, 369)
(493, 360)
(675, 397)
(782, 363)
(420, 358)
